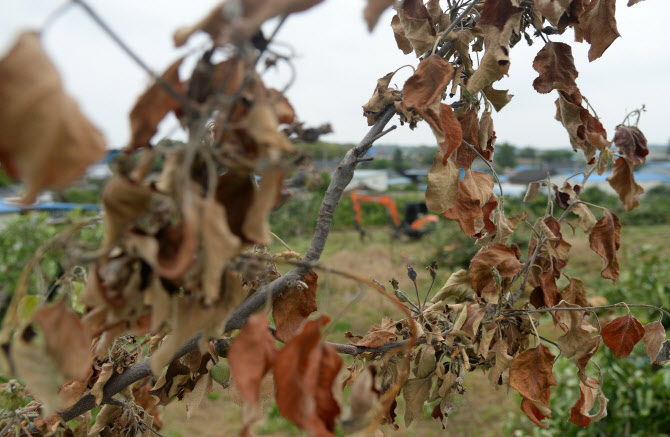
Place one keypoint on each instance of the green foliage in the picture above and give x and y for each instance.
(323, 150)
(23, 235)
(638, 392)
(5, 180)
(505, 156)
(638, 396)
(82, 195)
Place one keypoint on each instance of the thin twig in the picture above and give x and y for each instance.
(515, 312)
(186, 104)
(453, 25)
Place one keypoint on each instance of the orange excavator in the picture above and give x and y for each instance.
(415, 224)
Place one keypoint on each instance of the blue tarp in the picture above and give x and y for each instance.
(9, 208)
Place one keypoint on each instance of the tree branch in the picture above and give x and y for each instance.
(341, 178)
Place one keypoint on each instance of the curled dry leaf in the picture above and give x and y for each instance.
(556, 67)
(442, 184)
(54, 348)
(220, 246)
(305, 370)
(498, 19)
(622, 334)
(623, 182)
(532, 192)
(422, 95)
(551, 9)
(373, 9)
(632, 143)
(381, 98)
(123, 202)
(256, 227)
(293, 306)
(605, 240)
(252, 356)
(497, 256)
(531, 374)
(654, 336)
(152, 106)
(45, 139)
(599, 26)
(589, 392)
(413, 28)
(534, 413)
(240, 20)
(457, 285)
(68, 344)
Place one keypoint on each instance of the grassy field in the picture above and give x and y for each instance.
(483, 411)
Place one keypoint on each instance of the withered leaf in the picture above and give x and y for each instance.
(556, 67)
(531, 374)
(599, 26)
(123, 202)
(227, 23)
(551, 9)
(502, 361)
(422, 94)
(632, 143)
(664, 355)
(373, 9)
(251, 356)
(654, 336)
(498, 98)
(532, 192)
(293, 306)
(534, 414)
(622, 334)
(457, 285)
(305, 370)
(415, 392)
(220, 245)
(68, 344)
(152, 106)
(623, 182)
(605, 240)
(498, 12)
(415, 26)
(442, 184)
(45, 139)
(381, 98)
(499, 256)
(465, 211)
(256, 227)
(590, 390)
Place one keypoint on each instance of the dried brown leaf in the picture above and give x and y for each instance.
(632, 143)
(251, 356)
(442, 184)
(293, 307)
(599, 26)
(622, 334)
(623, 182)
(531, 374)
(654, 336)
(605, 240)
(45, 139)
(499, 256)
(305, 370)
(556, 67)
(152, 106)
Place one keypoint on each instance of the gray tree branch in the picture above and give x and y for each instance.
(341, 178)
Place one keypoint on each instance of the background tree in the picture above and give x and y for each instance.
(505, 156)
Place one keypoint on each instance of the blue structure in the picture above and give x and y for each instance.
(10, 208)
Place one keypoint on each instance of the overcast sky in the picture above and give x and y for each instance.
(338, 62)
